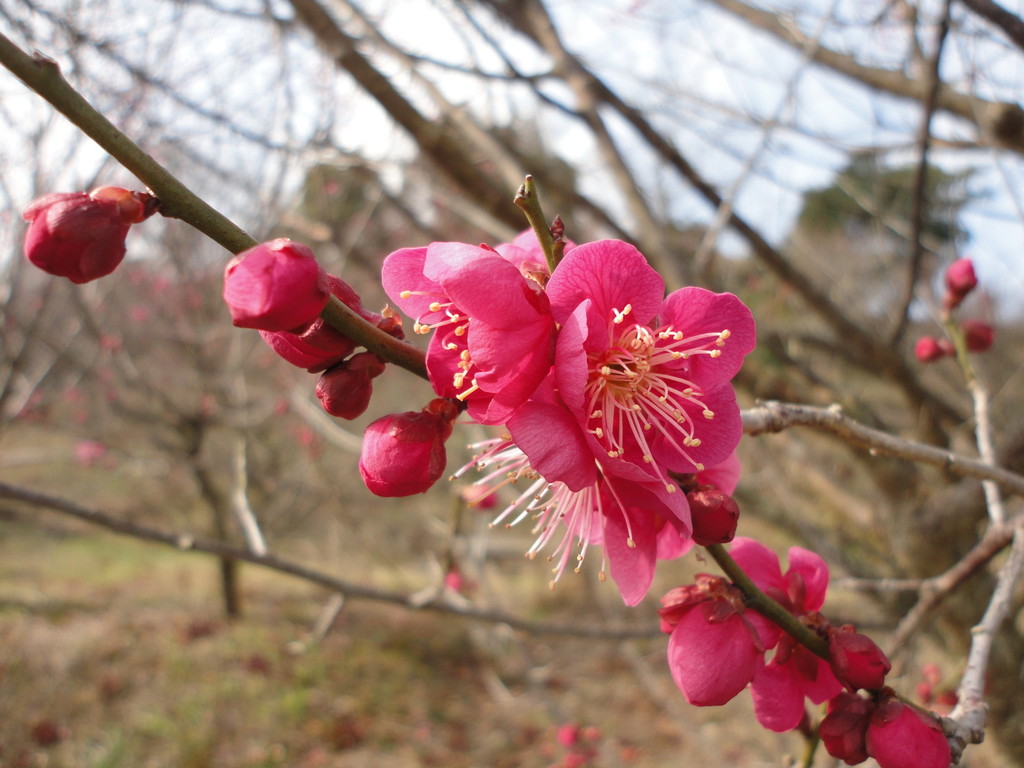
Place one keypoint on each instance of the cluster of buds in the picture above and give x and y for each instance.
(81, 235)
(894, 733)
(978, 336)
(279, 289)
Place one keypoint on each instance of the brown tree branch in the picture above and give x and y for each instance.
(351, 590)
(999, 123)
(1010, 23)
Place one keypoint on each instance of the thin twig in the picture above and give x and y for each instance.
(775, 416)
(919, 209)
(351, 590)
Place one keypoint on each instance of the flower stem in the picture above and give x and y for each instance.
(760, 602)
(528, 202)
(43, 76)
(384, 345)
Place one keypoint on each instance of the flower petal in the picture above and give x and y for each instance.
(611, 274)
(711, 663)
(778, 697)
(697, 311)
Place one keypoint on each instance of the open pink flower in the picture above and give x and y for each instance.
(493, 330)
(793, 673)
(81, 236)
(525, 253)
(646, 381)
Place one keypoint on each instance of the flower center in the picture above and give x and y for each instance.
(638, 390)
(552, 506)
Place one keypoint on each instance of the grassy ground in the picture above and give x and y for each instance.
(115, 655)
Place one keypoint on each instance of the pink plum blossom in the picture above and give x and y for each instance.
(493, 332)
(275, 286)
(81, 236)
(643, 381)
(794, 672)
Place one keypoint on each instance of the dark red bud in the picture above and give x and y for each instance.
(715, 515)
(978, 335)
(844, 729)
(344, 390)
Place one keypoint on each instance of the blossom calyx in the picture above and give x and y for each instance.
(404, 453)
(275, 286)
(344, 390)
(81, 236)
(714, 516)
(856, 660)
(960, 281)
(902, 736)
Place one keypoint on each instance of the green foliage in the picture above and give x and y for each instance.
(866, 190)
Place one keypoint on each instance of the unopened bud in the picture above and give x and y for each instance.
(81, 236)
(979, 336)
(960, 281)
(404, 453)
(928, 349)
(275, 286)
(855, 659)
(714, 514)
(843, 731)
(902, 736)
(344, 390)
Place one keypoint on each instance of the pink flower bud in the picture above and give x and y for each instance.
(715, 515)
(928, 350)
(901, 736)
(978, 335)
(275, 286)
(318, 346)
(960, 281)
(81, 236)
(844, 729)
(856, 661)
(344, 390)
(404, 453)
